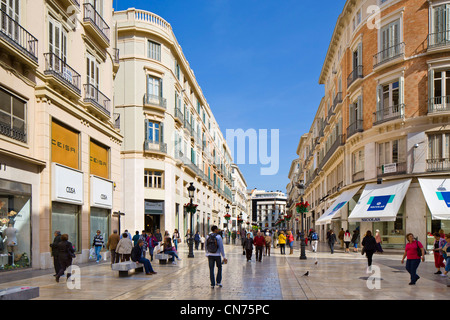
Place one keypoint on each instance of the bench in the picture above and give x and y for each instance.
(126, 266)
(19, 293)
(162, 257)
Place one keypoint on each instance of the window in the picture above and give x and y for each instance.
(390, 41)
(177, 70)
(439, 88)
(13, 114)
(154, 50)
(358, 163)
(153, 179)
(355, 116)
(440, 25)
(390, 100)
(439, 146)
(152, 132)
(357, 19)
(92, 71)
(57, 40)
(12, 9)
(392, 152)
(154, 90)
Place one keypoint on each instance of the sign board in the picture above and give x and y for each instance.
(67, 184)
(101, 193)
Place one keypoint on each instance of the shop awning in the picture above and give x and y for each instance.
(334, 210)
(380, 202)
(437, 196)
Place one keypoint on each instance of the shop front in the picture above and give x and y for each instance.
(154, 212)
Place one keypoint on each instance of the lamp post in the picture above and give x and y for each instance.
(191, 210)
(301, 189)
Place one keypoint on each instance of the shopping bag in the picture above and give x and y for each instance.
(92, 255)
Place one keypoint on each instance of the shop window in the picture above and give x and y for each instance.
(100, 220)
(65, 219)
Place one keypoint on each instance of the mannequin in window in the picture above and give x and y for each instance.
(10, 235)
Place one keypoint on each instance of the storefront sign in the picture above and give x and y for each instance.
(390, 168)
(67, 184)
(379, 202)
(64, 146)
(152, 207)
(99, 160)
(101, 193)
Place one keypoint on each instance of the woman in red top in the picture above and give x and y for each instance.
(413, 258)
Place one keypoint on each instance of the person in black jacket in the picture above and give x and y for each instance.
(65, 255)
(136, 256)
(54, 247)
(248, 246)
(370, 246)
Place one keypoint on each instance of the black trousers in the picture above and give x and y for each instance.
(369, 255)
(259, 253)
(56, 264)
(248, 254)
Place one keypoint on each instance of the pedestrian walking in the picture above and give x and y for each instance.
(136, 238)
(137, 256)
(158, 235)
(202, 242)
(414, 252)
(355, 240)
(98, 244)
(369, 247)
(248, 247)
(347, 240)
(214, 250)
(275, 238)
(268, 240)
(378, 239)
(111, 245)
(314, 240)
(144, 239)
(259, 243)
(282, 242)
(290, 238)
(331, 240)
(152, 243)
(128, 234)
(446, 255)
(54, 246)
(341, 237)
(65, 255)
(439, 243)
(124, 247)
(197, 240)
(176, 238)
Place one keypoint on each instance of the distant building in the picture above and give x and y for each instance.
(267, 207)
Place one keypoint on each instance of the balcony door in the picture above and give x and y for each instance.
(57, 46)
(10, 26)
(390, 40)
(92, 80)
(441, 24)
(97, 5)
(441, 90)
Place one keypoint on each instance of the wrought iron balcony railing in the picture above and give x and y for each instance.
(355, 127)
(354, 75)
(155, 146)
(440, 164)
(439, 104)
(439, 39)
(10, 131)
(97, 98)
(18, 36)
(91, 15)
(151, 99)
(389, 54)
(391, 169)
(61, 70)
(389, 113)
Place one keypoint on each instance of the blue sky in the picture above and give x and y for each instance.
(257, 62)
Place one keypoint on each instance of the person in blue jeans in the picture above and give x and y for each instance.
(136, 256)
(214, 249)
(98, 244)
(169, 249)
(413, 258)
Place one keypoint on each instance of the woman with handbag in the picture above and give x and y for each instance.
(176, 238)
(65, 255)
(414, 252)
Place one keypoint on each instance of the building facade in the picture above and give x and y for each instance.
(171, 138)
(268, 209)
(59, 147)
(381, 132)
(239, 196)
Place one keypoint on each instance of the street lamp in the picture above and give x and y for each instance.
(227, 218)
(301, 188)
(192, 209)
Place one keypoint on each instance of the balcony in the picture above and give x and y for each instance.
(68, 3)
(355, 127)
(438, 40)
(62, 72)
(337, 143)
(388, 55)
(358, 176)
(388, 114)
(95, 25)
(156, 102)
(97, 99)
(438, 105)
(437, 165)
(151, 146)
(18, 40)
(178, 116)
(355, 75)
(337, 100)
(391, 169)
(116, 60)
(19, 134)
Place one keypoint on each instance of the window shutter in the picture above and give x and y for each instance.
(359, 109)
(146, 129)
(402, 95)
(430, 88)
(360, 54)
(161, 128)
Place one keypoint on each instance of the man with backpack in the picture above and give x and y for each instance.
(214, 249)
(314, 240)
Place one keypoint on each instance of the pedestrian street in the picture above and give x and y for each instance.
(338, 276)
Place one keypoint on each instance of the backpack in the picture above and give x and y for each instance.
(211, 243)
(314, 236)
